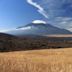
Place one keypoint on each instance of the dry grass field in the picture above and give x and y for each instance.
(48, 60)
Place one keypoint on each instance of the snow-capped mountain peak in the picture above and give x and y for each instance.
(39, 22)
(38, 27)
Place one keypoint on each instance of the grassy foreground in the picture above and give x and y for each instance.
(49, 60)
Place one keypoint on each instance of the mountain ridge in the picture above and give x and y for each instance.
(38, 29)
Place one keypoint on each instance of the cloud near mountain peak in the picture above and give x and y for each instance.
(40, 9)
(59, 12)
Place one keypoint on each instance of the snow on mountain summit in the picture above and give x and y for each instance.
(38, 27)
(39, 22)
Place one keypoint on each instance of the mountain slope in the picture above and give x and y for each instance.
(38, 29)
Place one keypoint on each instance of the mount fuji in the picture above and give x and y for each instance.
(38, 27)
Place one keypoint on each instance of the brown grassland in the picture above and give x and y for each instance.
(47, 60)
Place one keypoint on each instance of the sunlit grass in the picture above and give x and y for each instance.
(49, 60)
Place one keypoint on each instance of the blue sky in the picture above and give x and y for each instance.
(14, 13)
(57, 12)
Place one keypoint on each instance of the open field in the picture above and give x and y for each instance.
(48, 60)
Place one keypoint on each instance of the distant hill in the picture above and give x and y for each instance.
(38, 29)
(32, 42)
(7, 42)
(6, 36)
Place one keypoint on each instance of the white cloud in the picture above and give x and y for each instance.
(39, 21)
(58, 12)
(40, 9)
(24, 28)
(63, 22)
